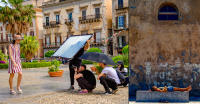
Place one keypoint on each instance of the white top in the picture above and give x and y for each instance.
(111, 73)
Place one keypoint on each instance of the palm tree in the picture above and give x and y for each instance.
(17, 17)
(29, 47)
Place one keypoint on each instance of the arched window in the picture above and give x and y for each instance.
(168, 12)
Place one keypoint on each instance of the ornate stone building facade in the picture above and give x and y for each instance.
(63, 18)
(163, 26)
(120, 9)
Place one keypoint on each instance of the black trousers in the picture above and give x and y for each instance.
(108, 83)
(84, 84)
(72, 63)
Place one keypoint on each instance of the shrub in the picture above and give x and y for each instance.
(87, 62)
(125, 50)
(3, 57)
(55, 66)
(49, 53)
(117, 58)
(3, 66)
(95, 50)
(35, 60)
(22, 55)
(35, 64)
(123, 58)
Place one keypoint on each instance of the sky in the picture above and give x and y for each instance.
(2, 4)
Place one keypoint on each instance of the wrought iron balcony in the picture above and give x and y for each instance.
(90, 18)
(69, 22)
(51, 45)
(97, 44)
(51, 24)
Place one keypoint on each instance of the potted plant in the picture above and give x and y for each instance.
(54, 69)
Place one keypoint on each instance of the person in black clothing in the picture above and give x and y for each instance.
(85, 78)
(75, 63)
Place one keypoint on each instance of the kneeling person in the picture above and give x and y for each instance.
(85, 78)
(109, 79)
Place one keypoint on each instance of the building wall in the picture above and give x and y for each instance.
(76, 7)
(116, 11)
(144, 24)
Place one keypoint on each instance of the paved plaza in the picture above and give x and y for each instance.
(39, 88)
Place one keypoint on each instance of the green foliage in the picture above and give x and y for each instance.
(55, 66)
(117, 58)
(95, 50)
(29, 46)
(87, 62)
(125, 50)
(49, 53)
(99, 69)
(16, 17)
(35, 64)
(22, 55)
(29, 65)
(3, 57)
(4, 66)
(35, 60)
(123, 58)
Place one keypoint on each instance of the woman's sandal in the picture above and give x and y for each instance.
(19, 91)
(12, 92)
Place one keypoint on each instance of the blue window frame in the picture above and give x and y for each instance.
(70, 16)
(57, 19)
(120, 4)
(168, 12)
(121, 22)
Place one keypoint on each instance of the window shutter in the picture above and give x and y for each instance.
(56, 40)
(116, 22)
(125, 24)
(95, 37)
(60, 39)
(45, 40)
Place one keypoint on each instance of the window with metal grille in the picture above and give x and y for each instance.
(168, 12)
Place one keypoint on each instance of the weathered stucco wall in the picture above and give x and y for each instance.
(144, 23)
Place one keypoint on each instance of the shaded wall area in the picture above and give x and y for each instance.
(164, 53)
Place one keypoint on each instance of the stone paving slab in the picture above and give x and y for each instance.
(39, 88)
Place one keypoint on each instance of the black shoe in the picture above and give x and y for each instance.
(108, 93)
(71, 88)
(114, 91)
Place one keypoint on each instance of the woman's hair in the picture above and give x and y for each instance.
(121, 67)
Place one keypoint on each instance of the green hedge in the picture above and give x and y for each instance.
(87, 62)
(29, 65)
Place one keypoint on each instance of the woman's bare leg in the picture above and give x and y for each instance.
(11, 81)
(19, 80)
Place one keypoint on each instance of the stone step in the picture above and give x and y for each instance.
(154, 96)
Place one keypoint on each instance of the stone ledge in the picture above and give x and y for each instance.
(154, 96)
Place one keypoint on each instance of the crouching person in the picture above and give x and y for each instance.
(85, 78)
(109, 79)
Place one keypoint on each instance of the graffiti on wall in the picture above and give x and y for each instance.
(144, 77)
